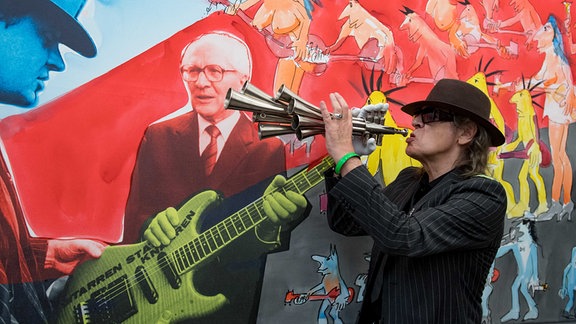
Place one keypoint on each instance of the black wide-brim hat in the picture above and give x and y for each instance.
(62, 15)
(460, 98)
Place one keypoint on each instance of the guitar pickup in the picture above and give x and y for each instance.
(146, 285)
(169, 271)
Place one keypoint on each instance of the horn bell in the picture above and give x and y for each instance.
(284, 94)
(271, 130)
(304, 132)
(251, 90)
(303, 108)
(301, 121)
(296, 104)
(239, 101)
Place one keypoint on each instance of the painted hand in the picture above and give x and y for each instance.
(280, 208)
(65, 255)
(161, 230)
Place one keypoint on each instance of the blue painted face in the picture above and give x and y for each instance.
(28, 52)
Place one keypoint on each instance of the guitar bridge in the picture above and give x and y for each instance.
(112, 304)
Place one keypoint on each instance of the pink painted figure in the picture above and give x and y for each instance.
(441, 57)
(471, 33)
(364, 27)
(526, 15)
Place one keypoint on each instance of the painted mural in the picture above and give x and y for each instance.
(102, 107)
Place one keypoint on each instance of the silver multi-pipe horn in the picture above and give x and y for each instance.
(288, 113)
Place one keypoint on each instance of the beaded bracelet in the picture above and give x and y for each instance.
(343, 160)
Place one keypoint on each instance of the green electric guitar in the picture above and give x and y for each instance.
(139, 283)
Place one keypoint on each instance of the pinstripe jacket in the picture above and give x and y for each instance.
(428, 265)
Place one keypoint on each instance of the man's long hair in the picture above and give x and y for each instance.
(475, 160)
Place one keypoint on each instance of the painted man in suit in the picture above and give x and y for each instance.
(177, 160)
(30, 33)
(437, 228)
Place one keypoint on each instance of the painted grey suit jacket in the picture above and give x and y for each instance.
(430, 264)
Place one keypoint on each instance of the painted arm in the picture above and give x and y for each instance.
(387, 49)
(490, 6)
(417, 62)
(505, 249)
(341, 299)
(459, 45)
(300, 37)
(64, 255)
(315, 289)
(534, 264)
(512, 145)
(563, 292)
(508, 22)
(534, 153)
(344, 32)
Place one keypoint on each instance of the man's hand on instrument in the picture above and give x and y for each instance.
(280, 208)
(161, 230)
(64, 255)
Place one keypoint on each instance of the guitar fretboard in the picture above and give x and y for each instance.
(210, 241)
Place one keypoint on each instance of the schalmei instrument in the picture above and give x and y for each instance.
(287, 113)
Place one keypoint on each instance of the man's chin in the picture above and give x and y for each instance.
(206, 110)
(23, 101)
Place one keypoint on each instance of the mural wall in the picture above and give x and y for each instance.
(104, 103)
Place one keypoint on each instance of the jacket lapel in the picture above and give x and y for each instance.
(437, 192)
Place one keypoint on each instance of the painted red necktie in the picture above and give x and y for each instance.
(211, 151)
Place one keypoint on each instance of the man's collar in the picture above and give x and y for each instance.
(225, 126)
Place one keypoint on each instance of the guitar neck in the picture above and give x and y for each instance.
(242, 221)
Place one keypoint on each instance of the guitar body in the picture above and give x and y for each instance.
(139, 283)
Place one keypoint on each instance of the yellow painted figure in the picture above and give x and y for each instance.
(527, 135)
(390, 157)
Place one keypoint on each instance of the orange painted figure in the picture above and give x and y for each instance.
(286, 24)
(445, 14)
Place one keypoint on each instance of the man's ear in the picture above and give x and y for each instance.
(467, 133)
